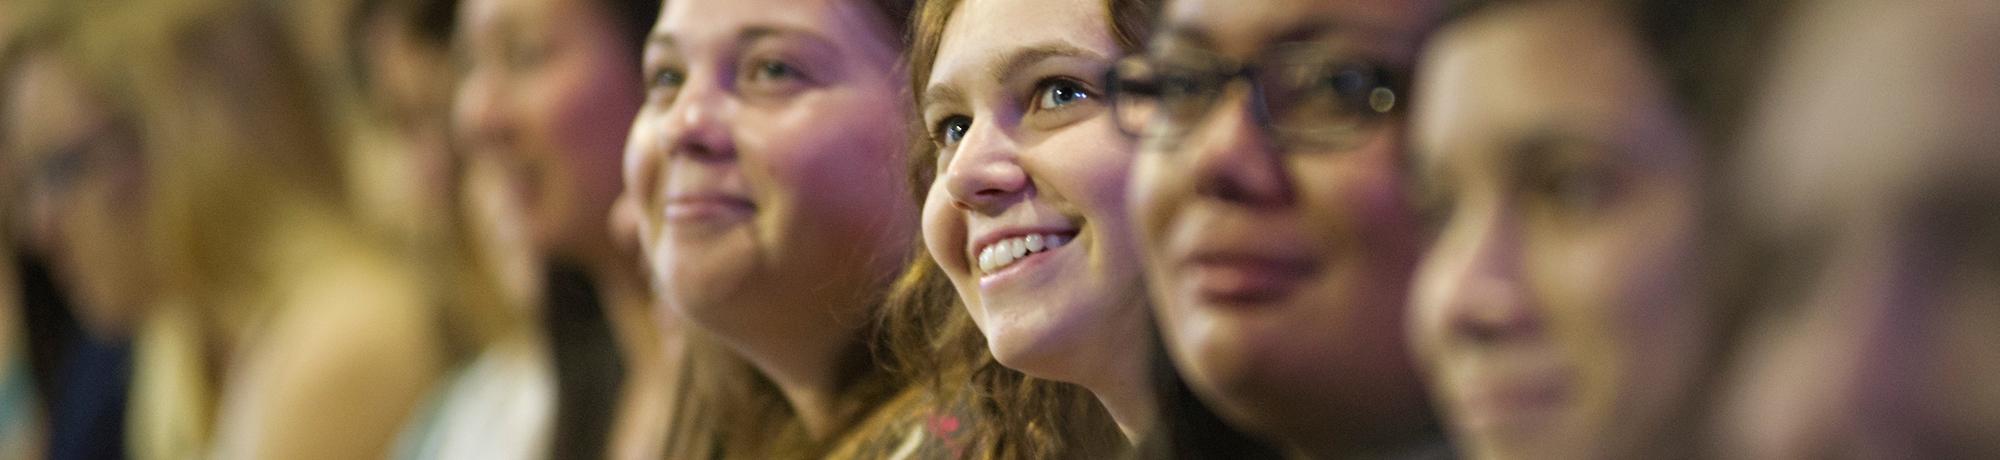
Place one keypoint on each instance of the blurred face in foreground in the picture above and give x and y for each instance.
(1276, 238)
(1553, 315)
(1871, 178)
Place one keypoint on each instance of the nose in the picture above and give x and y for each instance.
(985, 175)
(1480, 296)
(1234, 160)
(692, 126)
(696, 125)
(480, 118)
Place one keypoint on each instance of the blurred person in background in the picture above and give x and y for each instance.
(80, 198)
(765, 165)
(1560, 156)
(1278, 245)
(546, 92)
(401, 67)
(1866, 201)
(273, 328)
(22, 426)
(21, 422)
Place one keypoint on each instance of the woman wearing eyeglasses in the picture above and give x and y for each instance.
(1277, 242)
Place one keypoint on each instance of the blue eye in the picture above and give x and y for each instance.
(1058, 93)
(951, 130)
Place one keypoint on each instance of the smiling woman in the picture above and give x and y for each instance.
(1021, 176)
(766, 221)
(1276, 242)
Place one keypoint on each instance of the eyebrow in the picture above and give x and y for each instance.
(1309, 28)
(660, 39)
(1011, 64)
(1183, 35)
(941, 94)
(752, 34)
(1020, 59)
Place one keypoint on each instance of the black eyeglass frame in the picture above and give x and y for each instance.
(1383, 96)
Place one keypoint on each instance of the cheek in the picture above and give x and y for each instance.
(1102, 172)
(945, 233)
(1430, 290)
(1356, 205)
(1149, 200)
(1620, 298)
(596, 107)
(836, 172)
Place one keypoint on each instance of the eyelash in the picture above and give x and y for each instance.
(1044, 91)
(941, 134)
(1042, 99)
(666, 78)
(765, 71)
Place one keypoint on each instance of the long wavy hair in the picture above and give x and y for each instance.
(933, 338)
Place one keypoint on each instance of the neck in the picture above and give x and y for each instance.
(811, 363)
(1130, 402)
(1125, 386)
(1343, 445)
(811, 381)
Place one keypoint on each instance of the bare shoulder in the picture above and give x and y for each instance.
(337, 368)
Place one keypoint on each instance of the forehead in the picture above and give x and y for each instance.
(45, 104)
(980, 32)
(491, 17)
(1231, 28)
(1855, 118)
(709, 22)
(1538, 66)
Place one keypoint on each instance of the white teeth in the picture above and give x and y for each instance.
(1002, 253)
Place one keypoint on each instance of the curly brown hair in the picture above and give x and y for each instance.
(931, 336)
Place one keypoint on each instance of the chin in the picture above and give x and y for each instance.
(1022, 350)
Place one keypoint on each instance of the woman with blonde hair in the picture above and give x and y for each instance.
(278, 329)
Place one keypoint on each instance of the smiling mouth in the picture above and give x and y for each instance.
(705, 208)
(1001, 254)
(1513, 403)
(1237, 281)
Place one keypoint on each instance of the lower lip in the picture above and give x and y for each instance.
(1512, 407)
(1246, 283)
(1021, 267)
(706, 210)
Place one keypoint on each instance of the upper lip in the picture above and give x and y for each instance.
(1289, 264)
(1267, 251)
(704, 196)
(1501, 382)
